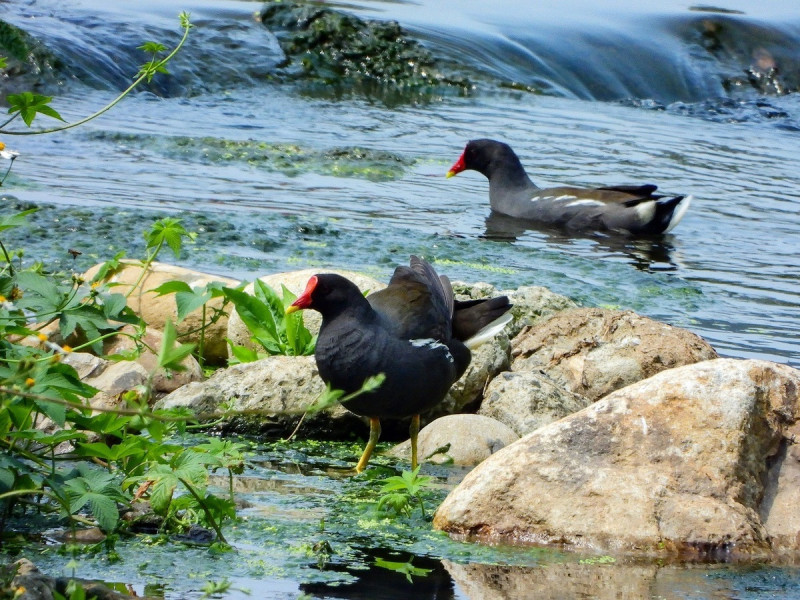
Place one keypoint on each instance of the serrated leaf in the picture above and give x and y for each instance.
(171, 287)
(187, 302)
(104, 510)
(113, 304)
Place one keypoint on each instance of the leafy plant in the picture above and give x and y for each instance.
(399, 491)
(264, 314)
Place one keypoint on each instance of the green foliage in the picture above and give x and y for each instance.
(167, 231)
(264, 314)
(100, 490)
(399, 491)
(28, 105)
(406, 568)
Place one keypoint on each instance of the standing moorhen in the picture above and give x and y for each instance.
(413, 331)
(625, 209)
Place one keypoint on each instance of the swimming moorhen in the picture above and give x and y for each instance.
(623, 209)
(413, 331)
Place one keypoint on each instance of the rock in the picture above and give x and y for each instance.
(532, 305)
(463, 440)
(87, 365)
(697, 461)
(275, 391)
(594, 351)
(295, 282)
(527, 400)
(116, 379)
(164, 381)
(156, 310)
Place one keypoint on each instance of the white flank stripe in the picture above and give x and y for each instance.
(432, 344)
(585, 202)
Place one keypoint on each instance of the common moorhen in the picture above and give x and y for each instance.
(413, 331)
(624, 209)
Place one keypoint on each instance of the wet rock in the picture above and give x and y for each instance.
(527, 400)
(697, 461)
(594, 351)
(463, 440)
(156, 310)
(336, 52)
(90, 535)
(295, 282)
(31, 584)
(273, 394)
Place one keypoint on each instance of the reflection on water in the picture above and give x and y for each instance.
(645, 254)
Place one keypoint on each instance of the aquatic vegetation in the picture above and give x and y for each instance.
(339, 53)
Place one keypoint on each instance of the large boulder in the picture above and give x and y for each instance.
(696, 461)
(463, 440)
(156, 310)
(270, 396)
(527, 400)
(594, 351)
(295, 282)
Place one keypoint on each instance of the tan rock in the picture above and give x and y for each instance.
(594, 351)
(527, 400)
(156, 310)
(694, 461)
(295, 282)
(273, 393)
(464, 440)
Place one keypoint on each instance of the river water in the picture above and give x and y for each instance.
(697, 99)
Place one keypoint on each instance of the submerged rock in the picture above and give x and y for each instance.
(339, 52)
(594, 351)
(698, 461)
(463, 440)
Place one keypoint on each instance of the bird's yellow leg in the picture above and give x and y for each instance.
(413, 431)
(374, 434)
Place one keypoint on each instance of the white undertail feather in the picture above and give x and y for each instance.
(646, 210)
(678, 213)
(489, 331)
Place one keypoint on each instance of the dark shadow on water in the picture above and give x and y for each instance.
(387, 584)
(644, 253)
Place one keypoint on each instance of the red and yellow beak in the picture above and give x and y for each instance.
(458, 167)
(303, 300)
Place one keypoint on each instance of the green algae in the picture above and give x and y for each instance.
(290, 159)
(336, 53)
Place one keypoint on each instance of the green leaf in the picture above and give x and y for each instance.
(28, 104)
(171, 355)
(171, 287)
(104, 509)
(113, 305)
(243, 354)
(167, 231)
(152, 47)
(15, 220)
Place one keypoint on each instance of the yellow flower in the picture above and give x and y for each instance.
(2, 146)
(66, 348)
(42, 337)
(2, 298)
(95, 285)
(30, 381)
(21, 589)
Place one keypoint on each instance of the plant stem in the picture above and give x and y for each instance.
(205, 508)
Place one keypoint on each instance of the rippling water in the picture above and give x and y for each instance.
(624, 93)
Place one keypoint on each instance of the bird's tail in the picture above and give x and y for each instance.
(476, 321)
